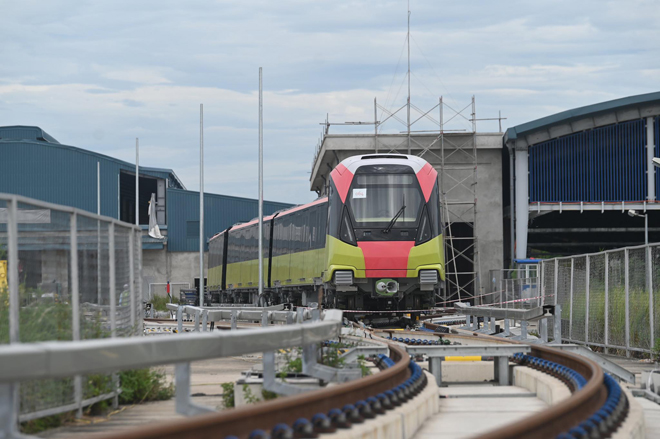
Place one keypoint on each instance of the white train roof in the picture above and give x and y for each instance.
(354, 162)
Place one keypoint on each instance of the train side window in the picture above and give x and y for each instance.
(323, 223)
(287, 235)
(303, 222)
(313, 227)
(276, 237)
(298, 227)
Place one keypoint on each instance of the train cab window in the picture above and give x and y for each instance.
(378, 198)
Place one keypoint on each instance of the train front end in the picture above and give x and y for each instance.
(385, 248)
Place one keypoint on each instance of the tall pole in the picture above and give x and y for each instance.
(646, 229)
(408, 77)
(137, 181)
(261, 186)
(98, 188)
(201, 204)
(376, 125)
(98, 233)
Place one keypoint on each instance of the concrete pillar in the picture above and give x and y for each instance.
(502, 370)
(522, 201)
(543, 329)
(650, 153)
(435, 367)
(557, 325)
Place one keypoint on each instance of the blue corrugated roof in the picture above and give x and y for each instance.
(581, 112)
(24, 132)
(28, 134)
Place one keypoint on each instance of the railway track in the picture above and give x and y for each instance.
(596, 408)
(586, 410)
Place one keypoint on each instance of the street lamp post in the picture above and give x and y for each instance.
(633, 213)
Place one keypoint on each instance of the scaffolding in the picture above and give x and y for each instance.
(453, 152)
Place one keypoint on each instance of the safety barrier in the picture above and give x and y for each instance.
(48, 360)
(609, 299)
(66, 274)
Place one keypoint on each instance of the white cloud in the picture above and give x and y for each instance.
(99, 74)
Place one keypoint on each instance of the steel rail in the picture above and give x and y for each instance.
(561, 417)
(240, 422)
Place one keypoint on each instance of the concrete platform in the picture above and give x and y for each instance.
(467, 414)
(651, 417)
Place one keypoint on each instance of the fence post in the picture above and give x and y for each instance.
(607, 302)
(570, 312)
(556, 278)
(625, 251)
(9, 411)
(12, 259)
(586, 306)
(649, 284)
(10, 393)
(75, 306)
(140, 297)
(113, 302)
(131, 276)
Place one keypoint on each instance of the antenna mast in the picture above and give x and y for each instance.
(408, 38)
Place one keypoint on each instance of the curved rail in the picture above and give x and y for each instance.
(587, 399)
(560, 418)
(240, 422)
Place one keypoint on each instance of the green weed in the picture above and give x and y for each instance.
(228, 395)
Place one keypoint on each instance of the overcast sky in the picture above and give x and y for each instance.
(98, 74)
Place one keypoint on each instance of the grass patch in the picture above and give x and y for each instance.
(38, 425)
(160, 302)
(142, 385)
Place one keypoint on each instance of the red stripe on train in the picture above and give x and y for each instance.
(342, 178)
(427, 177)
(386, 258)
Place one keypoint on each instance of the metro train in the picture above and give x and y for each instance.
(374, 243)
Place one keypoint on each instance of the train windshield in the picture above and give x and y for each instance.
(376, 199)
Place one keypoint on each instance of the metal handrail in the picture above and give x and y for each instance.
(277, 314)
(28, 361)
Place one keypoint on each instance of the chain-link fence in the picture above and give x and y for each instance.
(608, 299)
(515, 288)
(66, 274)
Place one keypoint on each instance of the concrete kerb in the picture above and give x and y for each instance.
(546, 387)
(634, 426)
(400, 423)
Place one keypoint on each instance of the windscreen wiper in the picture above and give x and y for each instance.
(396, 217)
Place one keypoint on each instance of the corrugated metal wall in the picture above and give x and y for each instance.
(220, 212)
(58, 175)
(603, 164)
(62, 174)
